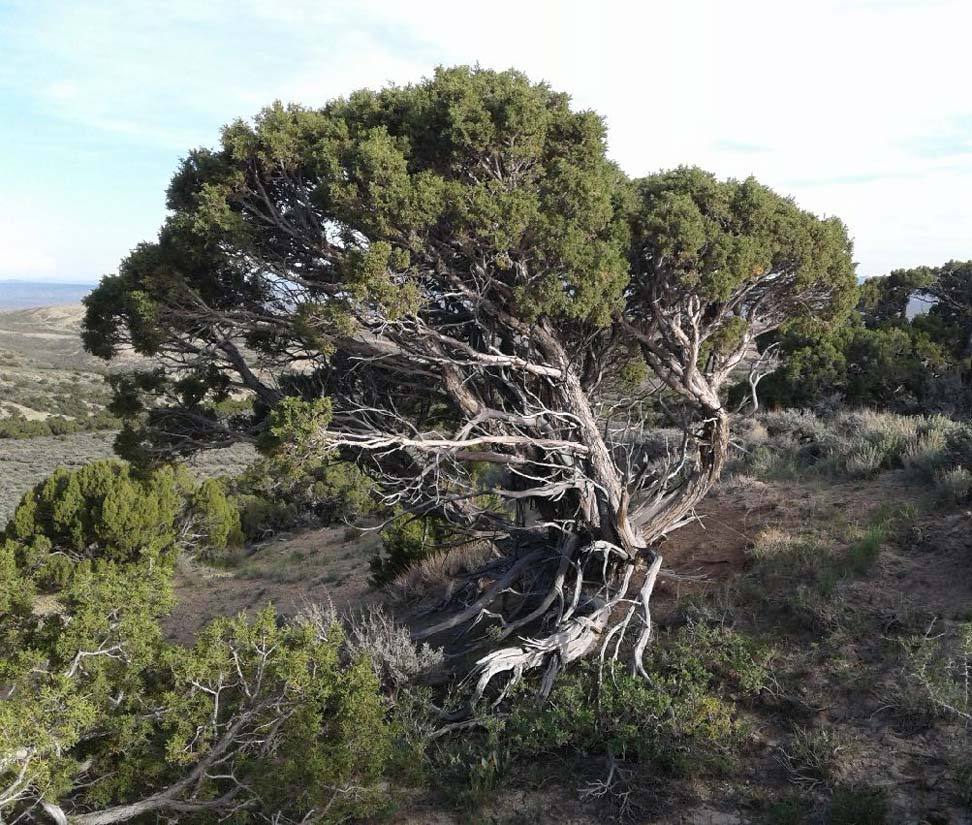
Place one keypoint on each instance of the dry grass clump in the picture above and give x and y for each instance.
(770, 542)
(434, 576)
(743, 483)
(814, 755)
(396, 659)
(752, 431)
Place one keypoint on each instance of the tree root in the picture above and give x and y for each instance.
(576, 635)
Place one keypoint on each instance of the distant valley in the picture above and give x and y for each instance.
(27, 294)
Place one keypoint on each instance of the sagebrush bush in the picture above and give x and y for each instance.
(373, 634)
(937, 675)
(856, 444)
(866, 460)
(18, 426)
(954, 484)
(926, 453)
(814, 754)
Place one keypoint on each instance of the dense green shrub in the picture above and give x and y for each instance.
(110, 511)
(275, 494)
(958, 447)
(100, 710)
(680, 720)
(97, 693)
(854, 365)
(886, 356)
(19, 426)
(102, 510)
(216, 517)
(262, 517)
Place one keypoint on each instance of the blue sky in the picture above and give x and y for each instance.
(858, 108)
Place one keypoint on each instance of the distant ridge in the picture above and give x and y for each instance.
(29, 294)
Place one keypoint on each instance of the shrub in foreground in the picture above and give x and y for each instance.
(682, 721)
(101, 718)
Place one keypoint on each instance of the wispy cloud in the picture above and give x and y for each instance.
(952, 138)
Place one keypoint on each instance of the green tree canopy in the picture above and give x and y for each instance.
(889, 354)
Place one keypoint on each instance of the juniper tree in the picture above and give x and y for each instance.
(887, 355)
(432, 279)
(102, 720)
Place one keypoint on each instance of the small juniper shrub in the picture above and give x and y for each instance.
(275, 494)
(102, 511)
(216, 518)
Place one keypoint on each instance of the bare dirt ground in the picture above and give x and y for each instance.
(839, 673)
(838, 676)
(290, 572)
